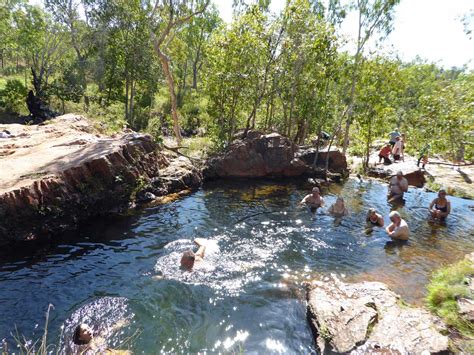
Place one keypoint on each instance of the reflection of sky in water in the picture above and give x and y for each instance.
(250, 297)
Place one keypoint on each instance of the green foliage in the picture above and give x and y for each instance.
(13, 96)
(445, 287)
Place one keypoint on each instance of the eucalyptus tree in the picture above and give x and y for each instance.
(374, 17)
(43, 46)
(166, 18)
(235, 70)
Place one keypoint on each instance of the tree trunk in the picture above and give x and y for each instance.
(174, 103)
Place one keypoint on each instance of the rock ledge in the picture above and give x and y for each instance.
(369, 318)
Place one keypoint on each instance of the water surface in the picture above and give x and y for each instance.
(250, 298)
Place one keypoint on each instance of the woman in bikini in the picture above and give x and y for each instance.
(440, 207)
(374, 218)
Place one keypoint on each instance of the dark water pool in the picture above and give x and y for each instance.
(250, 298)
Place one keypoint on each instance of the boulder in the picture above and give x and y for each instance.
(414, 175)
(256, 155)
(268, 155)
(367, 317)
(337, 161)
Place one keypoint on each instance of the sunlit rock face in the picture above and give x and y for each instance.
(367, 317)
(264, 155)
(58, 175)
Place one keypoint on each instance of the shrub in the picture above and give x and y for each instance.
(445, 287)
(13, 97)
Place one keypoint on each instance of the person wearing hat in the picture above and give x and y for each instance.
(314, 199)
(398, 229)
(397, 185)
(374, 218)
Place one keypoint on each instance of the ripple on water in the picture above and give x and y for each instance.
(249, 296)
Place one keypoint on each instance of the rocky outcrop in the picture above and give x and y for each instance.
(265, 155)
(58, 175)
(337, 162)
(367, 317)
(414, 175)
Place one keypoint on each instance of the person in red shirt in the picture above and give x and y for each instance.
(385, 154)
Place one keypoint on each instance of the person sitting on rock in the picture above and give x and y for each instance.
(384, 154)
(398, 184)
(338, 209)
(397, 150)
(374, 218)
(190, 258)
(313, 200)
(398, 229)
(96, 344)
(440, 207)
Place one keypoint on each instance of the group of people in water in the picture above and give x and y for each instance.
(398, 229)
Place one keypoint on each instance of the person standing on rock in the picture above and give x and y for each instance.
(440, 207)
(313, 200)
(398, 229)
(393, 136)
(397, 185)
(397, 150)
(423, 155)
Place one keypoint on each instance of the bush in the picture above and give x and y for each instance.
(13, 97)
(445, 287)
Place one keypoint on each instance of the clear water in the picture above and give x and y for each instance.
(249, 298)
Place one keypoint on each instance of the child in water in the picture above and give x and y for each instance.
(338, 209)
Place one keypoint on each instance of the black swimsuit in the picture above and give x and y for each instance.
(376, 223)
(442, 209)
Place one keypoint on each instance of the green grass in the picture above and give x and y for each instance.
(445, 287)
(197, 147)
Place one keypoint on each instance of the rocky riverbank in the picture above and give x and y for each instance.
(367, 317)
(57, 175)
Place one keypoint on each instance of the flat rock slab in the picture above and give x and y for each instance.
(367, 317)
(414, 175)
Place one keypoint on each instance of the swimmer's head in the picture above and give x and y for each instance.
(315, 191)
(442, 193)
(372, 211)
(340, 200)
(395, 216)
(82, 334)
(187, 260)
(399, 174)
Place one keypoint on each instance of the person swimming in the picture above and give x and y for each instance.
(313, 200)
(338, 209)
(88, 342)
(190, 258)
(440, 207)
(374, 218)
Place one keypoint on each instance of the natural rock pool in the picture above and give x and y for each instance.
(249, 298)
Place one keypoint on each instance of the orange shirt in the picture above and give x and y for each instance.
(385, 151)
